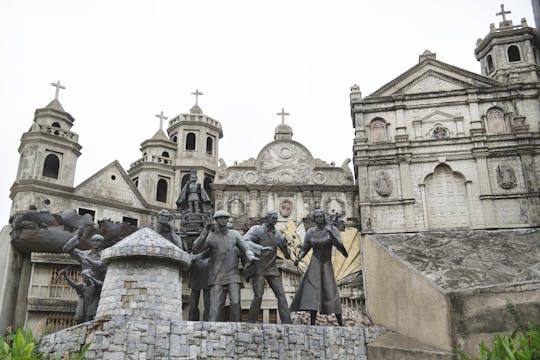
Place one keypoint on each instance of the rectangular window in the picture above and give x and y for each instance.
(83, 211)
(129, 220)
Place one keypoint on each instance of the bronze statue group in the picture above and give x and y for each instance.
(216, 256)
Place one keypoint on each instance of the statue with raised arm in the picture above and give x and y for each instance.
(192, 196)
(224, 248)
(318, 291)
(265, 268)
(88, 290)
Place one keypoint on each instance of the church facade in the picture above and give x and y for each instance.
(440, 147)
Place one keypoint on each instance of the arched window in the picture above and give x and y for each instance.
(209, 145)
(495, 121)
(56, 125)
(51, 166)
(489, 63)
(513, 53)
(175, 138)
(165, 154)
(161, 193)
(378, 130)
(185, 179)
(190, 141)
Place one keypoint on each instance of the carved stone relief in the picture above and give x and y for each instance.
(383, 184)
(236, 207)
(285, 164)
(506, 176)
(285, 207)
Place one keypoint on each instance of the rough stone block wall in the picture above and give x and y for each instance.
(119, 338)
(141, 289)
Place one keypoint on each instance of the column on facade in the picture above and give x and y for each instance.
(253, 204)
(308, 202)
(317, 199)
(363, 195)
(263, 198)
(407, 193)
(532, 185)
(485, 189)
(300, 210)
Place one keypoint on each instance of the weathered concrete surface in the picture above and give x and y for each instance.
(450, 289)
(402, 299)
(395, 346)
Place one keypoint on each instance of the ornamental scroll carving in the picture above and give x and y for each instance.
(383, 184)
(285, 164)
(506, 176)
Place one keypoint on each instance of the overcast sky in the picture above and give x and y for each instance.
(122, 62)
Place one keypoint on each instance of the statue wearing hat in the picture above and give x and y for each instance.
(224, 247)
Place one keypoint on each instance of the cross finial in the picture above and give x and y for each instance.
(197, 93)
(503, 13)
(58, 87)
(283, 114)
(161, 118)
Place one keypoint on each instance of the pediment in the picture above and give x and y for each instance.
(433, 81)
(111, 184)
(434, 76)
(437, 116)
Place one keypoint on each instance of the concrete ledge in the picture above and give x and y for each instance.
(394, 346)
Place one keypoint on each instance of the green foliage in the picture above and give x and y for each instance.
(21, 345)
(522, 344)
(517, 346)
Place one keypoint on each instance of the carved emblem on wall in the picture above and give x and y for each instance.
(319, 178)
(383, 184)
(236, 206)
(250, 177)
(506, 176)
(285, 207)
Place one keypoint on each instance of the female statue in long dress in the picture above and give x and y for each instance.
(318, 290)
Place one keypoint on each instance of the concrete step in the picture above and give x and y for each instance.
(393, 346)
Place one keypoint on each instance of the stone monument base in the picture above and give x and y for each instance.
(126, 338)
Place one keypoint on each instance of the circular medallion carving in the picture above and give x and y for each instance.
(319, 178)
(250, 177)
(285, 207)
(286, 152)
(383, 184)
(506, 176)
(286, 177)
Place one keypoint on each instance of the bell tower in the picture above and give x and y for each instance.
(49, 150)
(509, 52)
(153, 173)
(196, 136)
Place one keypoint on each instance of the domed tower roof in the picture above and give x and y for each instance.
(283, 131)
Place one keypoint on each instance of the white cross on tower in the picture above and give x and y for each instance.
(58, 87)
(503, 13)
(283, 114)
(161, 118)
(197, 93)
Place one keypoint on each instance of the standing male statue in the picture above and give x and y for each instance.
(193, 195)
(225, 246)
(267, 236)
